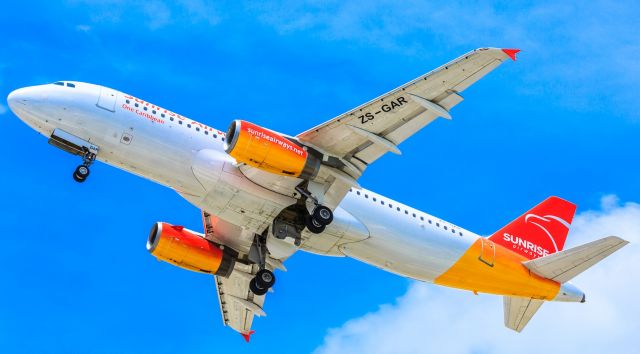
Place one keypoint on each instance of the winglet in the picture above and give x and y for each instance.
(511, 53)
(247, 335)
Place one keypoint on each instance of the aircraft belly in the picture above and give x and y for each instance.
(403, 245)
(232, 197)
(344, 229)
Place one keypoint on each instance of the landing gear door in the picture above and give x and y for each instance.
(107, 99)
(487, 252)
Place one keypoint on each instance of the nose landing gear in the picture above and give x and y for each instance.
(82, 172)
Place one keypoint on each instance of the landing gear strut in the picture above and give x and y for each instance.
(82, 172)
(321, 215)
(264, 278)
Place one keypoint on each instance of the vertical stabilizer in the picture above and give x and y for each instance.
(540, 231)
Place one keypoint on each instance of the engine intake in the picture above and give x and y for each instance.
(269, 151)
(189, 250)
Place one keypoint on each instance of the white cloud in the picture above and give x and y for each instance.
(3, 109)
(430, 319)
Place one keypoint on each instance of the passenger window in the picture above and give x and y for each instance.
(438, 224)
(188, 125)
(206, 132)
(197, 129)
(374, 199)
(215, 136)
(145, 108)
(59, 83)
(162, 115)
(406, 212)
(421, 218)
(382, 202)
(136, 104)
(430, 221)
(453, 231)
(460, 233)
(222, 139)
(171, 119)
(180, 122)
(445, 227)
(128, 102)
(358, 192)
(414, 215)
(71, 85)
(153, 111)
(398, 208)
(390, 206)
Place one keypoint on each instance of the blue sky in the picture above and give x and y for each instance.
(562, 120)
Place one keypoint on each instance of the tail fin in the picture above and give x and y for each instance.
(540, 231)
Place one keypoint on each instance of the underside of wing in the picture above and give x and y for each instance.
(362, 135)
(238, 305)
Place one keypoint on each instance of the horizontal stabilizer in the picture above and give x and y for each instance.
(518, 311)
(565, 265)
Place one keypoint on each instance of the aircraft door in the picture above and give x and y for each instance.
(487, 251)
(107, 99)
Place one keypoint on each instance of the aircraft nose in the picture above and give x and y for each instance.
(18, 96)
(26, 96)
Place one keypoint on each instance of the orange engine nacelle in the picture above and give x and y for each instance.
(269, 151)
(189, 250)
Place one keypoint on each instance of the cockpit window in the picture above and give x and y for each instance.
(59, 83)
(71, 85)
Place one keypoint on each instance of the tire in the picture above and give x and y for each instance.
(313, 225)
(323, 215)
(265, 279)
(82, 171)
(78, 178)
(256, 289)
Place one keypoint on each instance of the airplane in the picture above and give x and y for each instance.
(265, 195)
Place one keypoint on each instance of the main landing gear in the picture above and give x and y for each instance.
(320, 217)
(264, 278)
(82, 172)
(262, 282)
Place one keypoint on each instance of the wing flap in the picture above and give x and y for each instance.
(518, 311)
(565, 265)
(238, 305)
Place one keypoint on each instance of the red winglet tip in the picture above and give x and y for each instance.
(247, 335)
(511, 53)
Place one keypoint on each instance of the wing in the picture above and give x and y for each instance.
(361, 136)
(518, 311)
(238, 305)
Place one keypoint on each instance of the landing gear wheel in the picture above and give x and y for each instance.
(313, 225)
(265, 278)
(78, 179)
(323, 215)
(256, 289)
(81, 173)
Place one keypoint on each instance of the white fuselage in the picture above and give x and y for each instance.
(189, 157)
